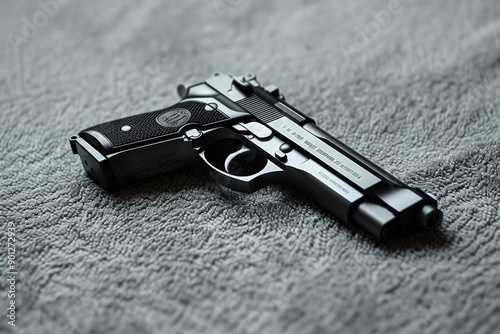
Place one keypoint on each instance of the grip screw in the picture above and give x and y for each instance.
(126, 128)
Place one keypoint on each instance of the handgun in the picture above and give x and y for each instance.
(246, 137)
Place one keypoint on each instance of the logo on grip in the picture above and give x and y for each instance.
(174, 118)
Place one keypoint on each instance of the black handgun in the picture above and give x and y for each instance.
(247, 136)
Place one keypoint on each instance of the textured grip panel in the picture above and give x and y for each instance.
(147, 126)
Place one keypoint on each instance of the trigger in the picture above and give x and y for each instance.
(229, 160)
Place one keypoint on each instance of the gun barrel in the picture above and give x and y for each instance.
(389, 207)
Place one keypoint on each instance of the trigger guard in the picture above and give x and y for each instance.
(247, 183)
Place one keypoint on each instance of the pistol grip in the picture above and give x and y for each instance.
(119, 152)
(152, 126)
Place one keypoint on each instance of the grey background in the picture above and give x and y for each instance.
(180, 254)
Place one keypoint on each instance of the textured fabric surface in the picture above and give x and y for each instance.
(418, 94)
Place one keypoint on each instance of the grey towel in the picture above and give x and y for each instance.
(412, 85)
